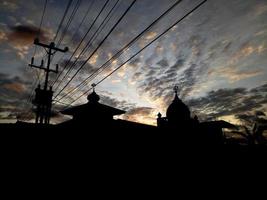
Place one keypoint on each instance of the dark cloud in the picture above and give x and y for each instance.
(26, 34)
(259, 113)
(246, 118)
(140, 114)
(140, 111)
(13, 86)
(251, 119)
(174, 68)
(113, 102)
(133, 113)
(163, 63)
(223, 102)
(65, 65)
(14, 94)
(76, 65)
(188, 70)
(135, 62)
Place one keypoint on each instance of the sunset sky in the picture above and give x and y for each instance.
(217, 57)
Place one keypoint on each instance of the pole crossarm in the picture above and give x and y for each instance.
(52, 46)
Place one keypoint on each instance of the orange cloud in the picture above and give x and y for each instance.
(10, 5)
(141, 115)
(260, 9)
(233, 74)
(116, 81)
(16, 87)
(246, 51)
(94, 59)
(21, 38)
(151, 35)
(2, 36)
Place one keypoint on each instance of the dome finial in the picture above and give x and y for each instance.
(176, 88)
(93, 97)
(93, 86)
(177, 111)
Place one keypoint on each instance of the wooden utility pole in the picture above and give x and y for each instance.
(43, 97)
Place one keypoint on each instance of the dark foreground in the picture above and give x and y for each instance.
(117, 140)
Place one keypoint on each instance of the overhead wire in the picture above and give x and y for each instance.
(119, 53)
(99, 45)
(63, 19)
(149, 44)
(89, 43)
(78, 28)
(80, 43)
(65, 30)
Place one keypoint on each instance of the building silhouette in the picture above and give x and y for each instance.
(178, 116)
(97, 115)
(189, 129)
(178, 121)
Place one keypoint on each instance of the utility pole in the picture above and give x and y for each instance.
(43, 97)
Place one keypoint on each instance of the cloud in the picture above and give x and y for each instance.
(3, 36)
(142, 115)
(151, 35)
(163, 63)
(245, 51)
(11, 6)
(87, 69)
(26, 34)
(116, 81)
(172, 71)
(94, 59)
(114, 102)
(77, 64)
(260, 9)
(16, 87)
(233, 74)
(21, 38)
(249, 119)
(225, 102)
(14, 94)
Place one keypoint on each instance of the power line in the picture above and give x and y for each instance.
(84, 18)
(60, 24)
(63, 18)
(74, 11)
(64, 32)
(105, 65)
(81, 23)
(86, 46)
(41, 23)
(112, 29)
(89, 29)
(89, 43)
(173, 25)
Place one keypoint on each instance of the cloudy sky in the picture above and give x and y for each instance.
(217, 56)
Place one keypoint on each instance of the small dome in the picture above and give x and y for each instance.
(93, 97)
(177, 111)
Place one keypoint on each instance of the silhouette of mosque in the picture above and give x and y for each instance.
(97, 115)
(177, 116)
(178, 120)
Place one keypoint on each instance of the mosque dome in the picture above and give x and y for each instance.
(93, 97)
(177, 111)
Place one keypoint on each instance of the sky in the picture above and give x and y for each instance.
(216, 56)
